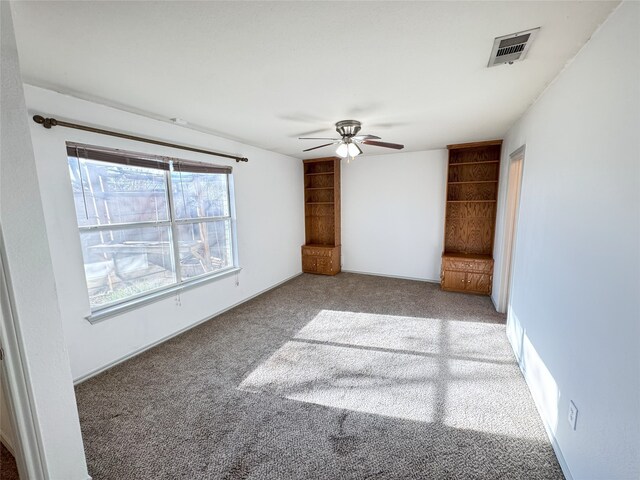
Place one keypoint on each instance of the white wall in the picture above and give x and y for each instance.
(393, 214)
(269, 205)
(574, 314)
(37, 365)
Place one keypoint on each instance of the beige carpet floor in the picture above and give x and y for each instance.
(346, 377)
(8, 467)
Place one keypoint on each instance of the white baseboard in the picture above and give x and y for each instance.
(392, 276)
(128, 356)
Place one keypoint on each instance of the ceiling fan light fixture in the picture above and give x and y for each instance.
(353, 150)
(343, 150)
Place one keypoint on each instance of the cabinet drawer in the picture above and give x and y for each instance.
(467, 265)
(318, 252)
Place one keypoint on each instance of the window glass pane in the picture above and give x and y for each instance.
(106, 193)
(198, 195)
(122, 263)
(205, 247)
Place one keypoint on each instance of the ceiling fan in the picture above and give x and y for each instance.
(348, 143)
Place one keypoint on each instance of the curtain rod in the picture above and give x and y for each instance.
(52, 122)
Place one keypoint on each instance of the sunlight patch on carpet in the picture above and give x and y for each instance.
(461, 374)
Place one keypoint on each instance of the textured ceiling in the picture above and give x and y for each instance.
(265, 73)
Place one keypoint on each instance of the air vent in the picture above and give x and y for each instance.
(511, 48)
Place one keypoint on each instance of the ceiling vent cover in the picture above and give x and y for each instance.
(511, 48)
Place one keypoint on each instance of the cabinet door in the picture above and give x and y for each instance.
(479, 282)
(452, 280)
(324, 265)
(309, 264)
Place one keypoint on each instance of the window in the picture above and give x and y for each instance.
(148, 224)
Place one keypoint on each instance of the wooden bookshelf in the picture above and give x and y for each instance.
(321, 251)
(472, 193)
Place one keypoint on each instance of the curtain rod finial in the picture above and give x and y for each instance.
(45, 122)
(243, 159)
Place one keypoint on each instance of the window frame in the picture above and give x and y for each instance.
(172, 222)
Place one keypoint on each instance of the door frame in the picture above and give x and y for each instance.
(512, 211)
(26, 442)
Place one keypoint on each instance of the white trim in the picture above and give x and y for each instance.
(31, 461)
(150, 297)
(392, 276)
(509, 233)
(518, 152)
(494, 304)
(140, 350)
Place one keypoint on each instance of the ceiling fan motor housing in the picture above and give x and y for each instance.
(348, 128)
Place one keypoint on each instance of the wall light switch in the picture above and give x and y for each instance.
(573, 414)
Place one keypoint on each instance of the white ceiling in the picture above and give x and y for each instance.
(265, 73)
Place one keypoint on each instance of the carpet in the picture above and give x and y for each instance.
(345, 377)
(8, 467)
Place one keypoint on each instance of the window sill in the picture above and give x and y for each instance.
(120, 308)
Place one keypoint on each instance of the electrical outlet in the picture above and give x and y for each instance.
(573, 414)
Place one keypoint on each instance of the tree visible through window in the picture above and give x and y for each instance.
(148, 223)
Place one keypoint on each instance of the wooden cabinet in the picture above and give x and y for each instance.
(472, 193)
(321, 251)
(467, 273)
(321, 259)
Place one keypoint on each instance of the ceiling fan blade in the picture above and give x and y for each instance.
(397, 146)
(366, 137)
(319, 146)
(317, 138)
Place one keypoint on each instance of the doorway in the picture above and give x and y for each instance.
(514, 186)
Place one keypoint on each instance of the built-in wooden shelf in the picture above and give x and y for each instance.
(474, 256)
(474, 181)
(321, 251)
(467, 259)
(473, 163)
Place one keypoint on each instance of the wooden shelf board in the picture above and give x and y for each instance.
(474, 181)
(318, 188)
(319, 203)
(474, 163)
(459, 146)
(480, 256)
(471, 201)
(319, 173)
